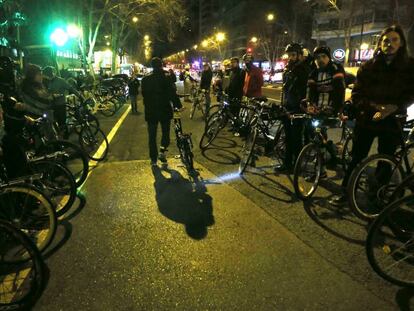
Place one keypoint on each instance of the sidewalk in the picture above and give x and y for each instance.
(150, 240)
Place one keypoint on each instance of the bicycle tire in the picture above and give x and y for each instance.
(193, 109)
(313, 175)
(247, 150)
(109, 109)
(279, 149)
(367, 205)
(186, 154)
(213, 127)
(30, 211)
(400, 191)
(346, 153)
(75, 160)
(92, 121)
(56, 180)
(91, 140)
(34, 279)
(377, 246)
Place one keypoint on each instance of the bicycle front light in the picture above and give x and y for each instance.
(315, 123)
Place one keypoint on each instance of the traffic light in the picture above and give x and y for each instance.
(249, 50)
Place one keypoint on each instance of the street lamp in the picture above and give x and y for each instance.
(146, 37)
(364, 46)
(108, 44)
(135, 19)
(204, 44)
(195, 47)
(253, 39)
(270, 17)
(221, 36)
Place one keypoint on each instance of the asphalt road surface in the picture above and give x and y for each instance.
(143, 238)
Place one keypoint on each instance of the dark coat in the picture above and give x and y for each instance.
(383, 87)
(295, 79)
(236, 83)
(159, 93)
(206, 77)
(133, 86)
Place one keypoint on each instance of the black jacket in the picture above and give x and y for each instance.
(206, 77)
(295, 78)
(326, 87)
(236, 83)
(159, 93)
(133, 86)
(383, 87)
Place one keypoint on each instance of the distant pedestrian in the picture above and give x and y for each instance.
(205, 83)
(253, 80)
(133, 85)
(159, 93)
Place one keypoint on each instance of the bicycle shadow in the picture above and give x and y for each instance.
(224, 142)
(63, 234)
(268, 186)
(403, 298)
(326, 215)
(184, 201)
(221, 156)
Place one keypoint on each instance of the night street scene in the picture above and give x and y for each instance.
(206, 155)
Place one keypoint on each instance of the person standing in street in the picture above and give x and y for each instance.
(384, 88)
(159, 99)
(205, 83)
(253, 80)
(133, 85)
(235, 87)
(295, 79)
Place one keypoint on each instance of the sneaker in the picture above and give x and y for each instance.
(162, 157)
(338, 200)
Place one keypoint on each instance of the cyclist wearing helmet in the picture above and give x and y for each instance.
(383, 89)
(253, 80)
(295, 77)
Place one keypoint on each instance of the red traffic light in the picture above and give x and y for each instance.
(249, 50)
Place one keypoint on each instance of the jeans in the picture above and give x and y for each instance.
(134, 99)
(388, 142)
(152, 137)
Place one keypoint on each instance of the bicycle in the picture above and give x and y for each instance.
(375, 179)
(266, 116)
(390, 242)
(20, 283)
(311, 161)
(219, 119)
(199, 102)
(184, 143)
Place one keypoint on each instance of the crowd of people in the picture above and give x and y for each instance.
(315, 85)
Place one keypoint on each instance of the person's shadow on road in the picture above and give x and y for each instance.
(184, 201)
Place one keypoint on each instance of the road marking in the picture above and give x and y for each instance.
(101, 149)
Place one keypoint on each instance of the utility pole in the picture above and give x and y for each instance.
(362, 31)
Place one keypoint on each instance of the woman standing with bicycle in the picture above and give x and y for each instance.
(384, 89)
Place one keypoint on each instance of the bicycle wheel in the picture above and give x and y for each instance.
(20, 284)
(186, 153)
(390, 243)
(247, 150)
(91, 140)
(74, 159)
(107, 108)
(29, 210)
(92, 121)
(279, 149)
(193, 108)
(307, 171)
(213, 127)
(57, 183)
(405, 188)
(371, 185)
(346, 154)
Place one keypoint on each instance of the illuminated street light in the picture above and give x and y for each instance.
(270, 16)
(108, 44)
(73, 31)
(186, 50)
(253, 39)
(204, 43)
(364, 46)
(59, 37)
(106, 36)
(195, 47)
(135, 19)
(285, 32)
(221, 36)
(146, 37)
